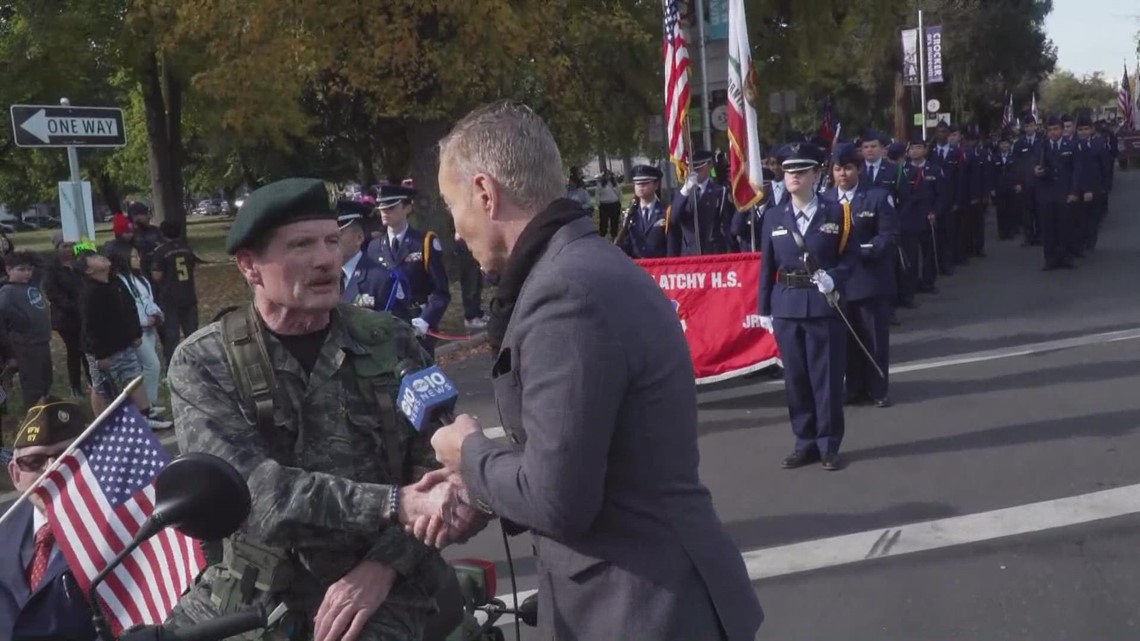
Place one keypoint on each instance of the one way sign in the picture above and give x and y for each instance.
(55, 126)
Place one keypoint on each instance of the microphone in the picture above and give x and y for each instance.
(427, 397)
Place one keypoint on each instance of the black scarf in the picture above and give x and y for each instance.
(530, 246)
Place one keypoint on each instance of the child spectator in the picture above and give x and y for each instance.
(126, 266)
(110, 333)
(24, 310)
(61, 286)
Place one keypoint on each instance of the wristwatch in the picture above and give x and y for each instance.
(394, 505)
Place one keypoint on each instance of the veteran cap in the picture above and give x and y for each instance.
(392, 195)
(51, 423)
(645, 174)
(285, 201)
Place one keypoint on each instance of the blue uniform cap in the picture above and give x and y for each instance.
(1084, 120)
(392, 195)
(800, 156)
(872, 134)
(916, 139)
(1054, 121)
(701, 158)
(1028, 119)
(846, 154)
(645, 174)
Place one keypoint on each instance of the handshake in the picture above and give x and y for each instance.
(437, 510)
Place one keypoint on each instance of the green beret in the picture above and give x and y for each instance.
(49, 424)
(285, 201)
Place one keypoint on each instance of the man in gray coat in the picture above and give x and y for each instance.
(595, 388)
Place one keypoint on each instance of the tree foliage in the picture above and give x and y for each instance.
(1064, 92)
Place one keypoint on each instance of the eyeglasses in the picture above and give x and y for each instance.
(32, 463)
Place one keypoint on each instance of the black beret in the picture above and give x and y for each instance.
(645, 173)
(701, 158)
(51, 423)
(846, 154)
(285, 201)
(389, 195)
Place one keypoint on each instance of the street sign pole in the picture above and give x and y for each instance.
(922, 71)
(78, 210)
(43, 126)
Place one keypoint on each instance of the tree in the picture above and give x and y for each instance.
(1064, 92)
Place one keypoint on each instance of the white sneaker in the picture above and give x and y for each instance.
(159, 425)
(476, 323)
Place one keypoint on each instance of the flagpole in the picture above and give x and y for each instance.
(692, 194)
(114, 405)
(706, 126)
(922, 72)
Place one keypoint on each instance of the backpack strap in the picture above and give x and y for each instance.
(249, 362)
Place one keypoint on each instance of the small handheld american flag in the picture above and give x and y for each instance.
(97, 499)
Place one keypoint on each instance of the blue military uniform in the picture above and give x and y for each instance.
(884, 174)
(950, 160)
(1002, 182)
(1057, 193)
(415, 262)
(922, 192)
(972, 230)
(646, 228)
(809, 332)
(871, 288)
(746, 225)
(1028, 152)
(714, 211)
(364, 282)
(1095, 163)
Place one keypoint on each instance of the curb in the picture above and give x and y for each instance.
(475, 341)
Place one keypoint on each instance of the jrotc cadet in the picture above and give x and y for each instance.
(803, 269)
(922, 194)
(948, 156)
(772, 164)
(972, 228)
(415, 259)
(1108, 133)
(363, 281)
(1057, 190)
(871, 226)
(645, 229)
(1028, 155)
(1068, 128)
(1093, 161)
(714, 210)
(878, 171)
(746, 225)
(1003, 179)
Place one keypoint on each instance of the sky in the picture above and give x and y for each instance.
(1103, 44)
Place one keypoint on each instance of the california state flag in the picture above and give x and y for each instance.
(743, 139)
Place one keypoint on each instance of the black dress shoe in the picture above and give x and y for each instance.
(831, 462)
(800, 459)
(883, 402)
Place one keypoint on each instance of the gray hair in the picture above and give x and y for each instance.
(512, 144)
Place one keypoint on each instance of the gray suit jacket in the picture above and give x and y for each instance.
(594, 383)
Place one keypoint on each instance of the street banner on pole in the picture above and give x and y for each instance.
(911, 74)
(743, 135)
(934, 54)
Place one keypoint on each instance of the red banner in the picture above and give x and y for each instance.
(717, 300)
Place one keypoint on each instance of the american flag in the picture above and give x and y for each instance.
(97, 499)
(827, 122)
(1007, 119)
(1126, 99)
(676, 88)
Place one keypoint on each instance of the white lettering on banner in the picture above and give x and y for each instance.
(729, 279)
(752, 321)
(682, 281)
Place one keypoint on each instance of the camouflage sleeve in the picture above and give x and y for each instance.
(291, 507)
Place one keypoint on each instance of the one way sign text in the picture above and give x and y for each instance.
(54, 126)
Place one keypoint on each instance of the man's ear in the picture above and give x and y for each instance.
(248, 267)
(487, 194)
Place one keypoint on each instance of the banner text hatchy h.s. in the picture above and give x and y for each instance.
(717, 302)
(934, 54)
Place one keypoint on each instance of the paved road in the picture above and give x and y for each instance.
(978, 428)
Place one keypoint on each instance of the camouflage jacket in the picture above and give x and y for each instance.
(321, 483)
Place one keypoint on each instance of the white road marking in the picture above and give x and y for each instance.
(945, 361)
(847, 549)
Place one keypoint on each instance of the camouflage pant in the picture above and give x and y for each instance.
(391, 622)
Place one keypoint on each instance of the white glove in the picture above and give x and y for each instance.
(420, 325)
(823, 282)
(689, 185)
(766, 323)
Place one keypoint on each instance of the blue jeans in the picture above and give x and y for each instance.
(122, 367)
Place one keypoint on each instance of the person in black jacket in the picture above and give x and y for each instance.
(61, 286)
(110, 333)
